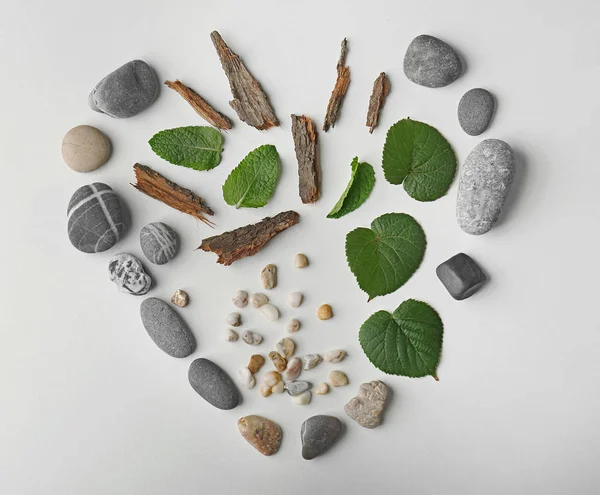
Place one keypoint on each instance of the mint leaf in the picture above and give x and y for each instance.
(195, 147)
(385, 256)
(252, 183)
(362, 180)
(407, 342)
(418, 155)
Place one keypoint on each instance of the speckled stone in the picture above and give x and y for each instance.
(431, 63)
(128, 273)
(475, 111)
(159, 242)
(318, 434)
(485, 180)
(213, 384)
(85, 148)
(461, 276)
(262, 433)
(367, 406)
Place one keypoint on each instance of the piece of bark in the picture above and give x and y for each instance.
(200, 105)
(306, 144)
(249, 100)
(339, 90)
(162, 189)
(249, 240)
(381, 88)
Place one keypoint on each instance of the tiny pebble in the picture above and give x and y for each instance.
(312, 360)
(180, 298)
(322, 389)
(293, 369)
(278, 388)
(271, 378)
(324, 312)
(269, 311)
(301, 261)
(293, 326)
(278, 360)
(268, 277)
(240, 299)
(246, 378)
(256, 363)
(85, 148)
(297, 387)
(234, 319)
(334, 356)
(258, 299)
(230, 335)
(302, 399)
(286, 347)
(265, 390)
(295, 299)
(251, 338)
(338, 378)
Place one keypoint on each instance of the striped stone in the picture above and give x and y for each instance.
(159, 242)
(94, 218)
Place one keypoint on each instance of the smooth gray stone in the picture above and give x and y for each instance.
(213, 384)
(95, 218)
(127, 91)
(297, 387)
(475, 111)
(166, 328)
(318, 434)
(159, 242)
(461, 276)
(431, 63)
(485, 180)
(128, 273)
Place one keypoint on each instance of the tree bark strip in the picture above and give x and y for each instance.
(307, 154)
(381, 88)
(160, 188)
(339, 90)
(249, 240)
(201, 106)
(249, 100)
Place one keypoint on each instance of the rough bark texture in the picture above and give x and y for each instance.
(202, 107)
(339, 90)
(306, 144)
(381, 88)
(248, 240)
(158, 187)
(249, 100)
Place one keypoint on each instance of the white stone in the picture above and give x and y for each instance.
(269, 311)
(293, 326)
(234, 319)
(335, 356)
(302, 399)
(251, 338)
(246, 378)
(312, 360)
(295, 299)
(240, 299)
(293, 368)
(230, 335)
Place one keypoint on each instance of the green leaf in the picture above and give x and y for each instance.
(407, 342)
(252, 183)
(360, 186)
(385, 256)
(417, 155)
(194, 147)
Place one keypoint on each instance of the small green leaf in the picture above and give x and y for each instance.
(194, 147)
(360, 186)
(417, 155)
(407, 342)
(252, 183)
(385, 256)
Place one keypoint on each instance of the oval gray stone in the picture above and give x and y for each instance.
(166, 328)
(159, 242)
(475, 111)
(94, 218)
(431, 63)
(213, 384)
(125, 92)
(128, 273)
(318, 434)
(85, 148)
(297, 387)
(485, 180)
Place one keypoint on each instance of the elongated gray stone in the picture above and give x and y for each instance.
(128, 273)
(166, 328)
(461, 276)
(159, 242)
(431, 63)
(485, 180)
(213, 384)
(367, 406)
(297, 387)
(475, 111)
(318, 434)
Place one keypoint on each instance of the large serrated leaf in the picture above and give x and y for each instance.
(361, 184)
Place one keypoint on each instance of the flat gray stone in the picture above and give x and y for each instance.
(431, 63)
(128, 273)
(297, 387)
(461, 276)
(125, 92)
(166, 328)
(475, 111)
(94, 218)
(367, 406)
(159, 242)
(213, 384)
(318, 434)
(485, 180)
(85, 148)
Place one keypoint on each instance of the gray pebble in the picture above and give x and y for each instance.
(128, 273)
(213, 384)
(431, 63)
(297, 387)
(475, 111)
(125, 92)
(367, 407)
(485, 180)
(461, 276)
(95, 219)
(166, 328)
(85, 148)
(318, 434)
(159, 242)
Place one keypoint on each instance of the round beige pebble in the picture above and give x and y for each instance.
(322, 389)
(338, 378)
(301, 261)
(85, 148)
(324, 312)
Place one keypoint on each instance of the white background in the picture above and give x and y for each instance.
(90, 406)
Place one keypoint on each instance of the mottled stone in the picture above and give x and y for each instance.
(278, 360)
(256, 363)
(367, 406)
(334, 356)
(251, 338)
(318, 434)
(95, 218)
(293, 368)
(475, 111)
(240, 299)
(312, 360)
(166, 328)
(485, 180)
(461, 276)
(213, 384)
(297, 387)
(159, 242)
(431, 63)
(293, 326)
(128, 273)
(286, 347)
(85, 148)
(268, 277)
(262, 433)
(180, 298)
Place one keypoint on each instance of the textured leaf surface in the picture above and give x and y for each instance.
(385, 256)
(196, 147)
(252, 183)
(417, 155)
(360, 186)
(407, 342)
